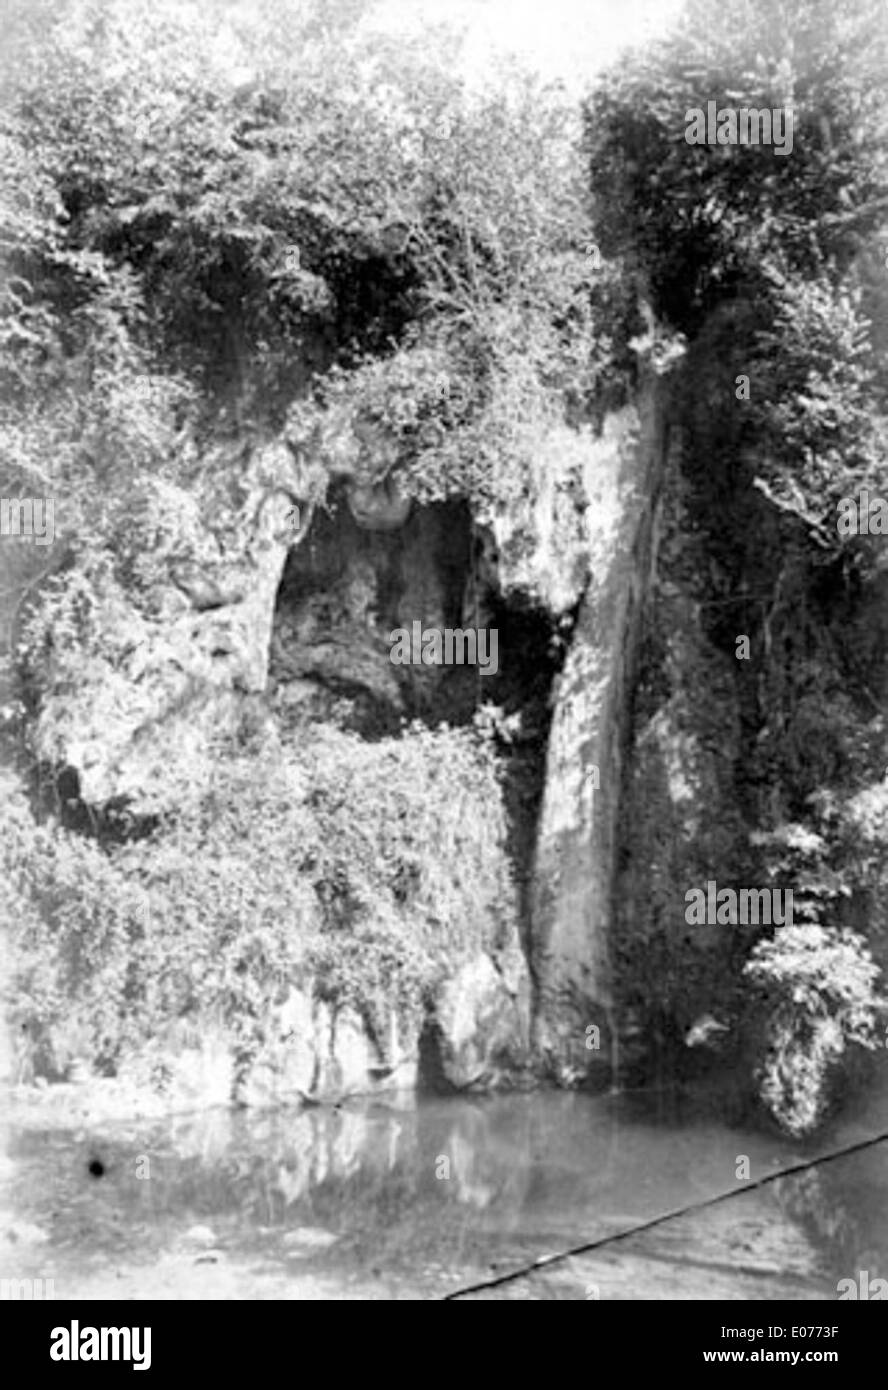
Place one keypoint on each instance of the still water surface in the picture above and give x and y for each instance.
(425, 1198)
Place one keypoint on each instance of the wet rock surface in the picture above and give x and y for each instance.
(576, 844)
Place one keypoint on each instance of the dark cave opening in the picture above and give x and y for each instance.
(347, 589)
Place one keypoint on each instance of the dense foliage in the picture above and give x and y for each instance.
(220, 227)
(179, 223)
(773, 267)
(334, 865)
(791, 236)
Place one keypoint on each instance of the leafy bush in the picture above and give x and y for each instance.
(716, 226)
(815, 984)
(190, 227)
(819, 988)
(72, 917)
(362, 871)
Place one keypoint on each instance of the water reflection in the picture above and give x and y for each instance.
(426, 1193)
(842, 1206)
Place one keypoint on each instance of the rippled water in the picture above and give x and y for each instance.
(429, 1197)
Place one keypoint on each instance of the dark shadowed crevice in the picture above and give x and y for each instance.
(346, 589)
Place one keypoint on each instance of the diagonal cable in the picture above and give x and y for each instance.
(545, 1260)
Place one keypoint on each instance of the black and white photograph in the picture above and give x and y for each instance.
(443, 663)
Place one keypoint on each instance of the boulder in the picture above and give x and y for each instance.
(482, 1022)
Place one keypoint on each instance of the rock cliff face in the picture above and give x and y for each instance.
(297, 609)
(178, 674)
(575, 862)
(348, 587)
(627, 762)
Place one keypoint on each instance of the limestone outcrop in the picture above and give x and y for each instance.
(576, 839)
(294, 606)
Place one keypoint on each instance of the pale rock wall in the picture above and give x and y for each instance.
(141, 720)
(587, 537)
(576, 839)
(153, 716)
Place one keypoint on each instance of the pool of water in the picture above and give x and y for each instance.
(428, 1198)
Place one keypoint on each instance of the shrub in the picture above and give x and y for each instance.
(361, 871)
(817, 987)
